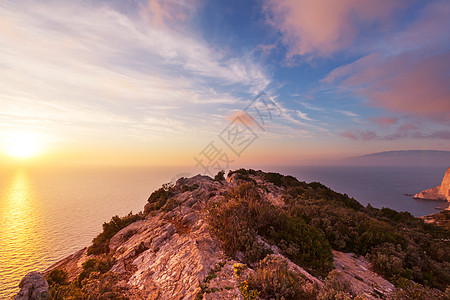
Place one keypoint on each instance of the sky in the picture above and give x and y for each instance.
(166, 82)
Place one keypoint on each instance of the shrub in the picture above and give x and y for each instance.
(57, 277)
(244, 174)
(244, 215)
(304, 244)
(220, 176)
(94, 265)
(274, 280)
(229, 221)
(100, 243)
(186, 188)
(411, 290)
(157, 200)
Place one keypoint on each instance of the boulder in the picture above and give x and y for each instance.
(33, 287)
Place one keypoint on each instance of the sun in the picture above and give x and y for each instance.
(22, 145)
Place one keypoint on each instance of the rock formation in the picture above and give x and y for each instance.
(33, 287)
(440, 192)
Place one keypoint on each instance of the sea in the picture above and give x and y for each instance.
(47, 214)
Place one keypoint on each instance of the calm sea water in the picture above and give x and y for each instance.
(47, 215)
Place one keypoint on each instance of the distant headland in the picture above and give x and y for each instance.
(403, 158)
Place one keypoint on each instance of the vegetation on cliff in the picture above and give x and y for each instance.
(399, 245)
(100, 243)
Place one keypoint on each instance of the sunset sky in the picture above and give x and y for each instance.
(155, 82)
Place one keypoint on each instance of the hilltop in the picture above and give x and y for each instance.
(254, 235)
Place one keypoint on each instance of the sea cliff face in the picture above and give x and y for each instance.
(253, 235)
(440, 192)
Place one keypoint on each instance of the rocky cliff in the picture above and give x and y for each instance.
(440, 192)
(239, 238)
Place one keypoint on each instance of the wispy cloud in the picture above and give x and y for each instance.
(89, 67)
(303, 116)
(311, 107)
(346, 113)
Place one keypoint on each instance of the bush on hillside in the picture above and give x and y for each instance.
(100, 243)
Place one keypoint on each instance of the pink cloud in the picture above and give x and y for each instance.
(405, 83)
(384, 122)
(410, 73)
(243, 117)
(160, 12)
(358, 134)
(324, 27)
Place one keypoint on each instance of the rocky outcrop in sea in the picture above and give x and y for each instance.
(440, 192)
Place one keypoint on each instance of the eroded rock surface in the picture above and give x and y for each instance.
(33, 287)
(440, 192)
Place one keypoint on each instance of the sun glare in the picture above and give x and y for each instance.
(22, 145)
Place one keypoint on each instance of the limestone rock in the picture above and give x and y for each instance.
(33, 287)
(356, 270)
(440, 192)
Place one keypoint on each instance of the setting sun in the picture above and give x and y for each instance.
(22, 145)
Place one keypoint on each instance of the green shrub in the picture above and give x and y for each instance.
(94, 265)
(421, 250)
(306, 245)
(243, 215)
(411, 290)
(100, 243)
(220, 176)
(244, 174)
(57, 277)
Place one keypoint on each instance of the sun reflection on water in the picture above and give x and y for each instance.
(19, 231)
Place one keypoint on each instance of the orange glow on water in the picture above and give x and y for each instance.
(19, 233)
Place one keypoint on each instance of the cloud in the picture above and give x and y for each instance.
(89, 69)
(159, 12)
(324, 27)
(311, 107)
(358, 135)
(346, 113)
(303, 116)
(265, 49)
(243, 117)
(408, 75)
(384, 122)
(405, 84)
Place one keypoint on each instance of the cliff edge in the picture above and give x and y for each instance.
(440, 192)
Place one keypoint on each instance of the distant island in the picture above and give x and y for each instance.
(254, 235)
(403, 158)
